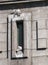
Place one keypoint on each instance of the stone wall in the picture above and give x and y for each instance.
(39, 57)
(35, 57)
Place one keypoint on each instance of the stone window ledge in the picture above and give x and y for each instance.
(15, 58)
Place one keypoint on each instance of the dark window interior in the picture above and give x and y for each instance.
(20, 34)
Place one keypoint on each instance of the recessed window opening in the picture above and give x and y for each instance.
(37, 39)
(17, 34)
(19, 53)
(20, 34)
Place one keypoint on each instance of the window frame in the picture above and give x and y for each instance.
(13, 58)
(37, 38)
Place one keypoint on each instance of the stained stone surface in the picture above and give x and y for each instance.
(35, 57)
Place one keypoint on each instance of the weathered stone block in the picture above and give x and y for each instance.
(39, 61)
(14, 62)
(41, 43)
(41, 34)
(36, 53)
(3, 37)
(3, 18)
(3, 55)
(3, 27)
(4, 62)
(28, 54)
(41, 24)
(33, 44)
(47, 43)
(3, 46)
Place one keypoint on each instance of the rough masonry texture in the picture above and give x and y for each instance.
(31, 16)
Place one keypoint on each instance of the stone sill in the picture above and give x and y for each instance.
(41, 49)
(14, 58)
